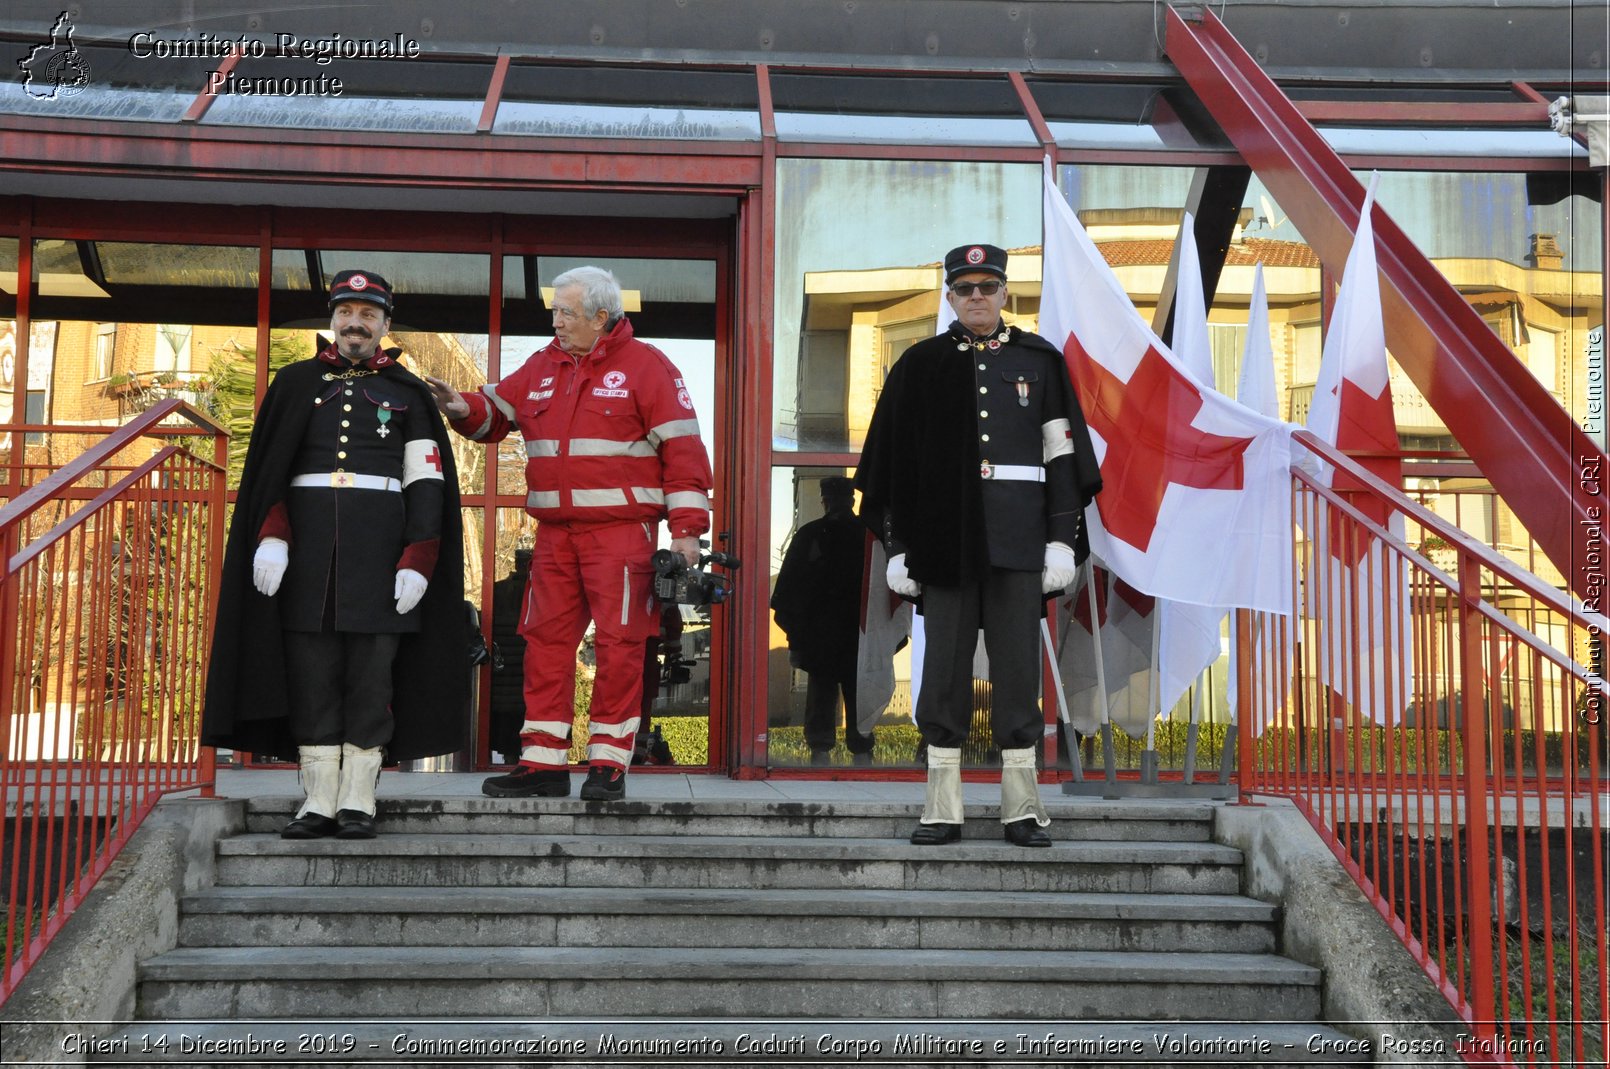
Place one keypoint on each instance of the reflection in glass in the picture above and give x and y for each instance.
(121, 326)
(853, 288)
(910, 109)
(417, 96)
(808, 581)
(631, 102)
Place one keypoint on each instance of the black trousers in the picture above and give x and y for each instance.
(1006, 604)
(822, 690)
(340, 687)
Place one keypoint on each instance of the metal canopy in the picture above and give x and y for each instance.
(1398, 41)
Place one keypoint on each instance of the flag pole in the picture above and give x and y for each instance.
(1062, 702)
(1154, 688)
(1108, 757)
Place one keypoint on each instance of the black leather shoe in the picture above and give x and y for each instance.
(354, 824)
(309, 826)
(1026, 833)
(603, 785)
(935, 834)
(526, 782)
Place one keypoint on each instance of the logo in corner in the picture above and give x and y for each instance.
(55, 70)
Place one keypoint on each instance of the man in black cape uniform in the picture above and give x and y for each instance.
(340, 630)
(975, 474)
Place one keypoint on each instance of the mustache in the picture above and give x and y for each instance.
(358, 331)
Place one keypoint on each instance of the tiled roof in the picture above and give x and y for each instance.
(1158, 252)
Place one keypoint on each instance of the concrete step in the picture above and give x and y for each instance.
(734, 862)
(662, 917)
(776, 1043)
(1075, 819)
(343, 982)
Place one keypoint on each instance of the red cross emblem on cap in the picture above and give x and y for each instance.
(357, 282)
(975, 255)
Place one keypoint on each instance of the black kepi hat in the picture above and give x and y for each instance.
(966, 259)
(361, 286)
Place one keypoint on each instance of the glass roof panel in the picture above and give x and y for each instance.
(899, 110)
(1127, 115)
(637, 102)
(1480, 141)
(108, 82)
(441, 96)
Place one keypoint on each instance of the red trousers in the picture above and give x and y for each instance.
(581, 574)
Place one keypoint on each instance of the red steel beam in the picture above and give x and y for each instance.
(1526, 444)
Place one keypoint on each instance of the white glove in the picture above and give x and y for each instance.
(1060, 568)
(409, 589)
(268, 565)
(899, 581)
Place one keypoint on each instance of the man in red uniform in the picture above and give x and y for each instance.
(612, 447)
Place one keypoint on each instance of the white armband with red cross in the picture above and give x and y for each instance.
(422, 459)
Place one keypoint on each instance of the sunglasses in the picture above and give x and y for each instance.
(965, 289)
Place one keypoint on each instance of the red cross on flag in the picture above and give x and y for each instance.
(1195, 504)
(1355, 585)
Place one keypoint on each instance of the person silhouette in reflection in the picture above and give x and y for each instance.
(817, 602)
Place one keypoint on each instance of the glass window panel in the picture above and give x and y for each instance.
(164, 321)
(510, 570)
(813, 642)
(144, 264)
(664, 298)
(630, 102)
(853, 290)
(434, 290)
(908, 110)
(458, 359)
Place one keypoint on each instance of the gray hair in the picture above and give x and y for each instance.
(598, 290)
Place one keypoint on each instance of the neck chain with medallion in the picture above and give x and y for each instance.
(980, 344)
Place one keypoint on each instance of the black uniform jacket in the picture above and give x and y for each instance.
(952, 406)
(247, 705)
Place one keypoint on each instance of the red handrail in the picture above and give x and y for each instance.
(1449, 753)
(109, 611)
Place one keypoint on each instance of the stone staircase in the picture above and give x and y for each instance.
(554, 922)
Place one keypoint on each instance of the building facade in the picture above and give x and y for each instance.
(774, 183)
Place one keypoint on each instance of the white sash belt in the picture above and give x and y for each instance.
(341, 479)
(1023, 473)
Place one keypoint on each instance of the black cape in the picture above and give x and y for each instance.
(918, 474)
(247, 707)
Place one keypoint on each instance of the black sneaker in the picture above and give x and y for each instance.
(526, 782)
(604, 785)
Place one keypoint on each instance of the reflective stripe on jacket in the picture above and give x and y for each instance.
(610, 438)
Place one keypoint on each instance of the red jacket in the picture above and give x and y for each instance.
(610, 438)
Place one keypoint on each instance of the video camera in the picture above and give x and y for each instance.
(675, 581)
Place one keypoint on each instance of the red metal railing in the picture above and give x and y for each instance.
(107, 573)
(1442, 729)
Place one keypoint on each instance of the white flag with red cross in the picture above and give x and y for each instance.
(1187, 634)
(1355, 585)
(1270, 650)
(1195, 504)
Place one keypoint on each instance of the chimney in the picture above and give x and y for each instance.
(1545, 254)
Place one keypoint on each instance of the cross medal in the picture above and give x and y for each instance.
(385, 417)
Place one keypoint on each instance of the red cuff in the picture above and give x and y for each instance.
(277, 524)
(420, 557)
